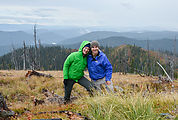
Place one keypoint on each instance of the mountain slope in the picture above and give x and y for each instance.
(157, 40)
(161, 44)
(90, 36)
(147, 35)
(15, 37)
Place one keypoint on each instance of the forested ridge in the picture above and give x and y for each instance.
(133, 59)
(124, 58)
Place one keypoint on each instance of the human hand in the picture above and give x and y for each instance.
(108, 82)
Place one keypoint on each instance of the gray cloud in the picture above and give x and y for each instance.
(51, 16)
(127, 4)
(91, 12)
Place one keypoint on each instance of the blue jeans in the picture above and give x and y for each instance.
(102, 81)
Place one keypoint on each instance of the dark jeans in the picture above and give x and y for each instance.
(68, 85)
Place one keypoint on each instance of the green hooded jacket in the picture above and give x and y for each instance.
(75, 64)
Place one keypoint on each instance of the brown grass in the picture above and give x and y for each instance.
(20, 91)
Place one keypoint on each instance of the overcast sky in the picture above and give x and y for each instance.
(121, 13)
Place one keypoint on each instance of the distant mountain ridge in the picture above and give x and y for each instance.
(114, 41)
(67, 38)
(161, 44)
(15, 37)
(147, 35)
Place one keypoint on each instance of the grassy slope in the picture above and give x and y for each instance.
(131, 105)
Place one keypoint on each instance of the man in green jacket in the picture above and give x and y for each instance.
(73, 70)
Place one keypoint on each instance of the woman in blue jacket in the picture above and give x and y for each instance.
(99, 68)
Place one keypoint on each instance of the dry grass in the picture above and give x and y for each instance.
(20, 92)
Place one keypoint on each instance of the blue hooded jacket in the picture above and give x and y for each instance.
(99, 67)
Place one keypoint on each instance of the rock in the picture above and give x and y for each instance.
(167, 116)
(5, 112)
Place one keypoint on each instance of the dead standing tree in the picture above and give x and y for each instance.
(35, 62)
(39, 55)
(148, 59)
(24, 56)
(14, 58)
(35, 57)
(31, 58)
(173, 61)
(33, 54)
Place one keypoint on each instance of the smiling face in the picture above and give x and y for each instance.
(85, 50)
(94, 50)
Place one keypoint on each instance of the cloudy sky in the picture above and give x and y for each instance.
(121, 13)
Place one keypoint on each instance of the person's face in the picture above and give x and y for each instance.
(94, 50)
(85, 50)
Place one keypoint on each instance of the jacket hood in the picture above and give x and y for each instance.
(83, 44)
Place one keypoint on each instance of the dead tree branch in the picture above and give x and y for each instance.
(165, 72)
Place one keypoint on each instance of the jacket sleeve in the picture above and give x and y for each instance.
(108, 69)
(66, 66)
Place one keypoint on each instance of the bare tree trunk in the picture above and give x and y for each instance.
(35, 56)
(3, 65)
(14, 60)
(30, 58)
(24, 56)
(39, 55)
(148, 59)
(125, 62)
(35, 38)
(173, 60)
(171, 64)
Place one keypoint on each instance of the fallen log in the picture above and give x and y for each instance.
(35, 73)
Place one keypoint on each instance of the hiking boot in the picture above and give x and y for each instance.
(67, 101)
